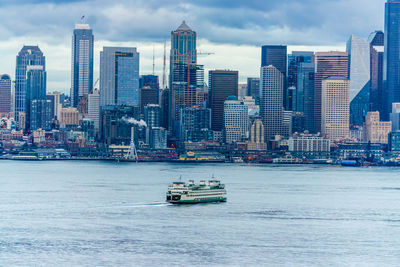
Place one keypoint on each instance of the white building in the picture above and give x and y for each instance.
(309, 143)
(236, 120)
(94, 109)
(335, 108)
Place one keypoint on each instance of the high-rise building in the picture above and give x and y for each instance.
(359, 73)
(222, 83)
(38, 114)
(69, 117)
(28, 56)
(148, 95)
(157, 138)
(165, 110)
(253, 88)
(5, 93)
(152, 115)
(94, 109)
(271, 101)
(335, 107)
(183, 60)
(294, 96)
(392, 56)
(236, 120)
(276, 55)
(395, 117)
(82, 64)
(376, 131)
(56, 105)
(377, 49)
(327, 64)
(305, 94)
(195, 124)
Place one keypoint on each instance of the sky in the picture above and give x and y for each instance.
(233, 30)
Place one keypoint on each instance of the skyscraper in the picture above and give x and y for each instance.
(119, 76)
(5, 93)
(253, 88)
(327, 64)
(392, 56)
(28, 56)
(236, 120)
(94, 109)
(222, 83)
(305, 93)
(82, 64)
(195, 124)
(183, 59)
(38, 114)
(377, 48)
(295, 97)
(335, 107)
(276, 55)
(359, 73)
(271, 101)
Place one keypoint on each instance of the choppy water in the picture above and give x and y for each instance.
(107, 214)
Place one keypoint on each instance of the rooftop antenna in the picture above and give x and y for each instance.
(164, 64)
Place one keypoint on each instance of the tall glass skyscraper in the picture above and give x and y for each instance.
(377, 48)
(183, 60)
(119, 76)
(305, 93)
(28, 56)
(392, 56)
(82, 64)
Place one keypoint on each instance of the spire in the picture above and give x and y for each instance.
(184, 27)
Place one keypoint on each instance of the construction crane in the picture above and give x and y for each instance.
(87, 98)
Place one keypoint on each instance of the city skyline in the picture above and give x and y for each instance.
(225, 36)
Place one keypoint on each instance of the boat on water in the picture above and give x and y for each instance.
(207, 157)
(191, 193)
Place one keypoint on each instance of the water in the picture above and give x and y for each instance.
(90, 213)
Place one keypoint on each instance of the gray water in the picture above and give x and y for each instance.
(71, 213)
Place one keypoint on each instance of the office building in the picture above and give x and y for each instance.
(28, 56)
(5, 93)
(271, 101)
(157, 138)
(256, 141)
(94, 109)
(148, 95)
(152, 115)
(195, 124)
(394, 141)
(55, 104)
(69, 117)
(236, 120)
(391, 57)
(276, 55)
(395, 117)
(119, 76)
(309, 143)
(376, 131)
(253, 88)
(327, 64)
(335, 107)
(149, 81)
(82, 64)
(305, 93)
(377, 49)
(222, 83)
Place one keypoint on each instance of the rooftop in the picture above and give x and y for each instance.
(184, 27)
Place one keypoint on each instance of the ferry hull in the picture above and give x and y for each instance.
(196, 201)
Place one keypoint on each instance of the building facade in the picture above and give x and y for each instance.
(377, 49)
(271, 101)
(82, 64)
(376, 131)
(195, 124)
(119, 76)
(256, 141)
(236, 120)
(5, 93)
(327, 64)
(335, 108)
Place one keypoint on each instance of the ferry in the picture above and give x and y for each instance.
(190, 193)
(209, 157)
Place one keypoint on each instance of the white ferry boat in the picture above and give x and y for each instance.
(190, 193)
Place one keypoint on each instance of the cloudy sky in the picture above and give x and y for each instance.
(232, 29)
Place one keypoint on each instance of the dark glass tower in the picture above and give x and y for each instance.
(82, 64)
(392, 57)
(5, 93)
(28, 56)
